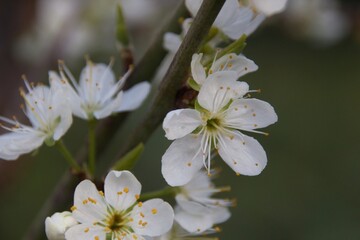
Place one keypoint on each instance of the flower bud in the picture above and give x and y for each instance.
(57, 224)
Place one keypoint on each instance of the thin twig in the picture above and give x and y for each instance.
(176, 75)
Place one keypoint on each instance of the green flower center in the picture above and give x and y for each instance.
(213, 124)
(115, 222)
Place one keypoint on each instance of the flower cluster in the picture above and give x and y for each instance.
(214, 123)
(50, 109)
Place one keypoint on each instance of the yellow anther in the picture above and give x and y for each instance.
(92, 200)
(189, 164)
(119, 193)
(142, 215)
(154, 211)
(85, 201)
(217, 229)
(73, 208)
(86, 230)
(140, 204)
(101, 193)
(96, 238)
(137, 196)
(126, 190)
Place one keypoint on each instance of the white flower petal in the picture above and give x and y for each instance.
(110, 106)
(250, 114)
(197, 69)
(14, 144)
(197, 220)
(233, 62)
(85, 232)
(96, 80)
(227, 14)
(220, 214)
(57, 224)
(172, 42)
(133, 97)
(243, 154)
(68, 93)
(193, 6)
(152, 218)
(269, 7)
(122, 189)
(132, 236)
(89, 203)
(181, 122)
(219, 88)
(62, 113)
(182, 160)
(200, 186)
(214, 214)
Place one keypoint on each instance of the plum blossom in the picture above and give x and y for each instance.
(179, 233)
(200, 189)
(58, 224)
(116, 213)
(98, 95)
(197, 218)
(234, 19)
(50, 117)
(229, 62)
(238, 17)
(217, 122)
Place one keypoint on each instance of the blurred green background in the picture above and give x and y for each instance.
(310, 189)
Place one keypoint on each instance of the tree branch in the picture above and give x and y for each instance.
(176, 75)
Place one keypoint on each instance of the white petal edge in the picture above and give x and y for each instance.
(243, 154)
(197, 69)
(250, 114)
(219, 88)
(157, 214)
(122, 189)
(89, 204)
(85, 232)
(182, 160)
(181, 122)
(133, 97)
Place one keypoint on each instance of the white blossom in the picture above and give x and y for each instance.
(234, 19)
(267, 7)
(216, 124)
(97, 94)
(58, 224)
(179, 233)
(229, 62)
(200, 189)
(50, 117)
(116, 214)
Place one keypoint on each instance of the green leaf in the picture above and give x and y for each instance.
(121, 30)
(128, 161)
